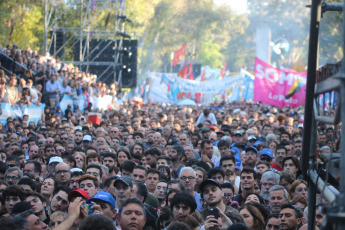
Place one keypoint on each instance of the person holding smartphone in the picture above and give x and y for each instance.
(215, 215)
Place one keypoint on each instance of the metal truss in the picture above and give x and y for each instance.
(82, 21)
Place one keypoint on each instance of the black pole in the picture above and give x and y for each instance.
(311, 79)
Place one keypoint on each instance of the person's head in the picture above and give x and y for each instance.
(62, 173)
(123, 155)
(123, 189)
(248, 177)
(251, 156)
(228, 164)
(228, 192)
(27, 184)
(183, 204)
(74, 182)
(216, 174)
(109, 160)
(272, 222)
(268, 179)
(59, 201)
(201, 175)
(139, 173)
(262, 166)
(211, 192)
(278, 196)
(252, 216)
(93, 158)
(223, 147)
(286, 179)
(298, 187)
(253, 198)
(12, 195)
(107, 203)
(48, 186)
(300, 201)
(291, 164)
(132, 215)
(206, 148)
(33, 168)
(152, 179)
(89, 184)
(281, 153)
(177, 153)
(188, 178)
(12, 175)
(57, 218)
(97, 222)
(96, 171)
(141, 191)
(28, 220)
(290, 217)
(37, 201)
(160, 191)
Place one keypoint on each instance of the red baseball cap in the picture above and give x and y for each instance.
(78, 193)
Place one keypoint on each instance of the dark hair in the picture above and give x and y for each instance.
(273, 215)
(141, 190)
(110, 154)
(96, 167)
(27, 181)
(70, 159)
(294, 160)
(205, 141)
(128, 165)
(141, 168)
(179, 149)
(183, 198)
(176, 182)
(36, 194)
(132, 201)
(281, 147)
(154, 171)
(238, 226)
(215, 171)
(137, 134)
(229, 186)
(249, 170)
(298, 212)
(89, 177)
(257, 211)
(288, 176)
(261, 200)
(64, 188)
(109, 181)
(155, 152)
(226, 158)
(37, 165)
(167, 169)
(20, 220)
(14, 190)
(223, 143)
(97, 222)
(77, 173)
(3, 167)
(13, 158)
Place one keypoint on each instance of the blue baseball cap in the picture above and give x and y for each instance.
(236, 150)
(256, 143)
(238, 162)
(103, 196)
(267, 151)
(251, 148)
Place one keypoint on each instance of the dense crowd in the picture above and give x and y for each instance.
(149, 166)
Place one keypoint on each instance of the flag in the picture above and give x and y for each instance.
(184, 69)
(203, 75)
(222, 72)
(178, 54)
(190, 72)
(295, 88)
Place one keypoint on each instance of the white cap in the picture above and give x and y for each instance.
(55, 160)
(75, 170)
(87, 138)
(78, 128)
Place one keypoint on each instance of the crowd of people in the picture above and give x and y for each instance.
(149, 166)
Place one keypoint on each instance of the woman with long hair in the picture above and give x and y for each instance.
(254, 216)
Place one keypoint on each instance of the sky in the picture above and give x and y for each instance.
(239, 6)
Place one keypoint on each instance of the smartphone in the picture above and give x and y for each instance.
(88, 209)
(213, 212)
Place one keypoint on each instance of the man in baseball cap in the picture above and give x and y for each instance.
(123, 189)
(266, 155)
(103, 202)
(78, 193)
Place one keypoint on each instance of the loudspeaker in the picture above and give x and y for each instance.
(60, 38)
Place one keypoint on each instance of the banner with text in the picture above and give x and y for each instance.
(278, 87)
(168, 88)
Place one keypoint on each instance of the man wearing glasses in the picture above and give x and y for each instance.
(188, 180)
(62, 174)
(268, 180)
(12, 175)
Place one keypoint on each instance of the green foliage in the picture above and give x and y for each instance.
(210, 55)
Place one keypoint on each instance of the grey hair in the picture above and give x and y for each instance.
(227, 138)
(12, 169)
(190, 145)
(186, 169)
(20, 220)
(277, 188)
(269, 175)
(271, 137)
